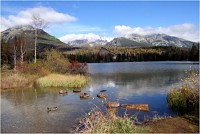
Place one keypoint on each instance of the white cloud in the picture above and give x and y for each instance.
(71, 37)
(89, 37)
(107, 38)
(186, 31)
(24, 17)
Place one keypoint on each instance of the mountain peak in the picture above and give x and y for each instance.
(44, 39)
(156, 39)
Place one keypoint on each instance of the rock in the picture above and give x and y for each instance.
(76, 90)
(112, 104)
(52, 109)
(63, 91)
(141, 107)
(84, 95)
(101, 95)
(103, 90)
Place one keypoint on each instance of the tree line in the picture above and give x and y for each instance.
(131, 54)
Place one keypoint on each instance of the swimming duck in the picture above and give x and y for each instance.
(101, 95)
(76, 90)
(52, 109)
(84, 95)
(63, 91)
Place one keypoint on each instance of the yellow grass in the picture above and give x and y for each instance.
(58, 80)
(10, 80)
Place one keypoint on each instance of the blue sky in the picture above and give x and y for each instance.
(106, 20)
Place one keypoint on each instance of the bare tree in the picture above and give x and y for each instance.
(38, 23)
(22, 47)
(15, 53)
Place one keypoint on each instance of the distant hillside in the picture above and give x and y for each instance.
(44, 39)
(125, 42)
(151, 40)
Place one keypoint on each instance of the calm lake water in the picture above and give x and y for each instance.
(25, 110)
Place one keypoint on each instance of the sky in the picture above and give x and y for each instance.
(70, 20)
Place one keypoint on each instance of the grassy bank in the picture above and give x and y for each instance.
(100, 122)
(11, 80)
(54, 70)
(58, 80)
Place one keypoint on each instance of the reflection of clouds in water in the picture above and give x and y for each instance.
(109, 84)
(127, 85)
(96, 86)
(128, 91)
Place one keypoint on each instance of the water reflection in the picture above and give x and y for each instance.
(25, 110)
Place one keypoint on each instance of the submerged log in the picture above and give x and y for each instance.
(142, 107)
(101, 95)
(112, 104)
(103, 90)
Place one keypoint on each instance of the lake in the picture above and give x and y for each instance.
(25, 110)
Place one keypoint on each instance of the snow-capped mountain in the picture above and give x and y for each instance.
(151, 40)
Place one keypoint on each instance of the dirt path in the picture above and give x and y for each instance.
(172, 125)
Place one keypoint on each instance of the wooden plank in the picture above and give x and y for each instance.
(141, 107)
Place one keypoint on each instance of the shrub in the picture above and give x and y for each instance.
(39, 68)
(177, 101)
(185, 99)
(98, 122)
(78, 68)
(56, 62)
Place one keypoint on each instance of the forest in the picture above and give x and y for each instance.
(16, 50)
(131, 54)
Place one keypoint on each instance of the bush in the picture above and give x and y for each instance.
(39, 68)
(177, 101)
(78, 68)
(53, 62)
(185, 99)
(98, 122)
(56, 62)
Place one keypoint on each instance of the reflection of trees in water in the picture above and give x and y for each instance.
(24, 110)
(29, 96)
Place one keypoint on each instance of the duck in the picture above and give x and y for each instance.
(52, 109)
(101, 95)
(76, 90)
(113, 104)
(84, 95)
(63, 91)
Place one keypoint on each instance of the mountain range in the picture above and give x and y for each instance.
(45, 40)
(137, 40)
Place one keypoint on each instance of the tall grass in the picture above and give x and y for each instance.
(185, 99)
(98, 122)
(58, 80)
(11, 80)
